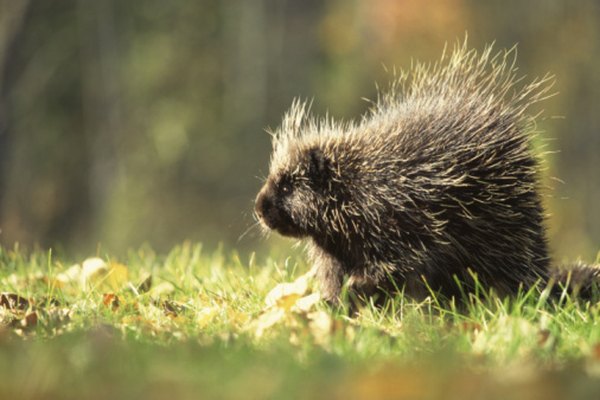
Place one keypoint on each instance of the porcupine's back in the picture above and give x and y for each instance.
(460, 138)
(438, 181)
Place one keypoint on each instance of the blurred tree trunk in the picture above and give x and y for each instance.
(245, 48)
(101, 98)
(12, 15)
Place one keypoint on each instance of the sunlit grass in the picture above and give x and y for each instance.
(194, 324)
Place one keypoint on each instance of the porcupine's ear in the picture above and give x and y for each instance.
(318, 167)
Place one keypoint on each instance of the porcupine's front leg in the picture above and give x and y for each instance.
(333, 277)
(330, 274)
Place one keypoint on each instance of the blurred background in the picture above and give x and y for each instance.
(131, 122)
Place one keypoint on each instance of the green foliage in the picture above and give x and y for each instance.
(191, 322)
(125, 124)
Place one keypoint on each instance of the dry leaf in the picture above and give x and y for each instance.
(72, 274)
(110, 300)
(162, 289)
(306, 303)
(56, 317)
(24, 323)
(30, 320)
(118, 276)
(289, 303)
(13, 301)
(268, 319)
(100, 275)
(284, 295)
(146, 285)
(171, 308)
(92, 269)
(48, 302)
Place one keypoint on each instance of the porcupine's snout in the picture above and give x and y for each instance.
(273, 212)
(269, 209)
(264, 208)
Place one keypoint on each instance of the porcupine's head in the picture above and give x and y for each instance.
(299, 185)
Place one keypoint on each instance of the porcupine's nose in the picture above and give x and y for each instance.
(262, 205)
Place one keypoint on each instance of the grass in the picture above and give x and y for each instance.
(191, 324)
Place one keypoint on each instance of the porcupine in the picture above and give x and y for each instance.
(434, 188)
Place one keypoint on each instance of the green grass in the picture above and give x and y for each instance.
(199, 328)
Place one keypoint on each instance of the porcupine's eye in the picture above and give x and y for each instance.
(285, 186)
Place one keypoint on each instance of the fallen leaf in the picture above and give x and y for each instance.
(118, 276)
(146, 285)
(100, 275)
(72, 274)
(24, 323)
(55, 318)
(92, 269)
(13, 301)
(290, 303)
(306, 303)
(172, 308)
(162, 289)
(30, 320)
(286, 295)
(283, 295)
(48, 302)
(111, 300)
(268, 320)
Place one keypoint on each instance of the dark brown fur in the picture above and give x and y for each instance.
(436, 184)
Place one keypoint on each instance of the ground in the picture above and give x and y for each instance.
(195, 324)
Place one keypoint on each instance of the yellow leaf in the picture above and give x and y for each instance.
(71, 275)
(100, 275)
(286, 294)
(289, 303)
(306, 303)
(281, 293)
(117, 277)
(92, 270)
(268, 320)
(162, 289)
